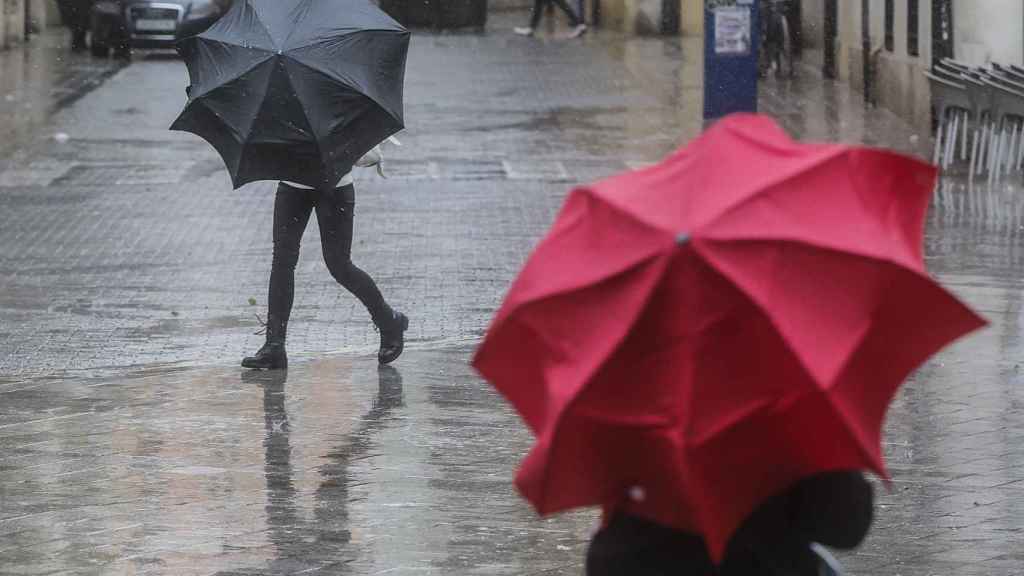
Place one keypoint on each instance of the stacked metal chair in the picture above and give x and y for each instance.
(980, 110)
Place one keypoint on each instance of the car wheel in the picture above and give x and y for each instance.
(99, 49)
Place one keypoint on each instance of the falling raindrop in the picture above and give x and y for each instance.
(61, 137)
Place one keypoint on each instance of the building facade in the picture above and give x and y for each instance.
(19, 18)
(898, 39)
(902, 39)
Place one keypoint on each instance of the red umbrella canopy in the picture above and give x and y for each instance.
(694, 338)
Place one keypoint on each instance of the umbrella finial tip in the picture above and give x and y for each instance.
(682, 238)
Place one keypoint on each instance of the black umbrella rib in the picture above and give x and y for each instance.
(223, 82)
(327, 73)
(227, 125)
(304, 5)
(309, 121)
(353, 32)
(240, 6)
(233, 44)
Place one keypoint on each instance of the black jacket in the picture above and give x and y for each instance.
(833, 509)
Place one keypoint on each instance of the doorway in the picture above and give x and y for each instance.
(831, 38)
(942, 30)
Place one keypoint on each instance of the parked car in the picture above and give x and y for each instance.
(125, 24)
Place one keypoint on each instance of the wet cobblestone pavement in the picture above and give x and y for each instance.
(130, 444)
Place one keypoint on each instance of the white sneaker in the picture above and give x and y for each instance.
(578, 31)
(523, 31)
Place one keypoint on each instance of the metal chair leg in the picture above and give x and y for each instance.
(938, 139)
(1017, 159)
(1001, 154)
(993, 154)
(1011, 138)
(983, 148)
(1015, 142)
(975, 149)
(951, 141)
(967, 135)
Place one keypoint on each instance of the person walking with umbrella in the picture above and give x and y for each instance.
(301, 91)
(575, 20)
(707, 348)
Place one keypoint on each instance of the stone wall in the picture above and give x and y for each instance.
(899, 82)
(12, 22)
(19, 18)
(42, 14)
(993, 33)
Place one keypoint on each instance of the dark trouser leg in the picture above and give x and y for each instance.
(574, 20)
(537, 12)
(292, 208)
(78, 39)
(78, 20)
(335, 215)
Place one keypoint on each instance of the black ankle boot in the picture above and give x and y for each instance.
(270, 357)
(392, 337)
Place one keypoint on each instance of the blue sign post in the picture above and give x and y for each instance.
(732, 40)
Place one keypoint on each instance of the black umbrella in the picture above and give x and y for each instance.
(295, 90)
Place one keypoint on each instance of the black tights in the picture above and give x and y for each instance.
(538, 8)
(334, 214)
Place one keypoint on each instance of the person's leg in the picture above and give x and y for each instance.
(574, 19)
(537, 12)
(79, 20)
(335, 214)
(66, 10)
(292, 208)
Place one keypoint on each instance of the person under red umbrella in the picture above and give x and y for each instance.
(710, 345)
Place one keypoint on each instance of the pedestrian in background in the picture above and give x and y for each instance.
(833, 509)
(74, 14)
(575, 20)
(775, 32)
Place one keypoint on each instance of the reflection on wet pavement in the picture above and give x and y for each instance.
(334, 467)
(40, 80)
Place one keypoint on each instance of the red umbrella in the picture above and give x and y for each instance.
(693, 338)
